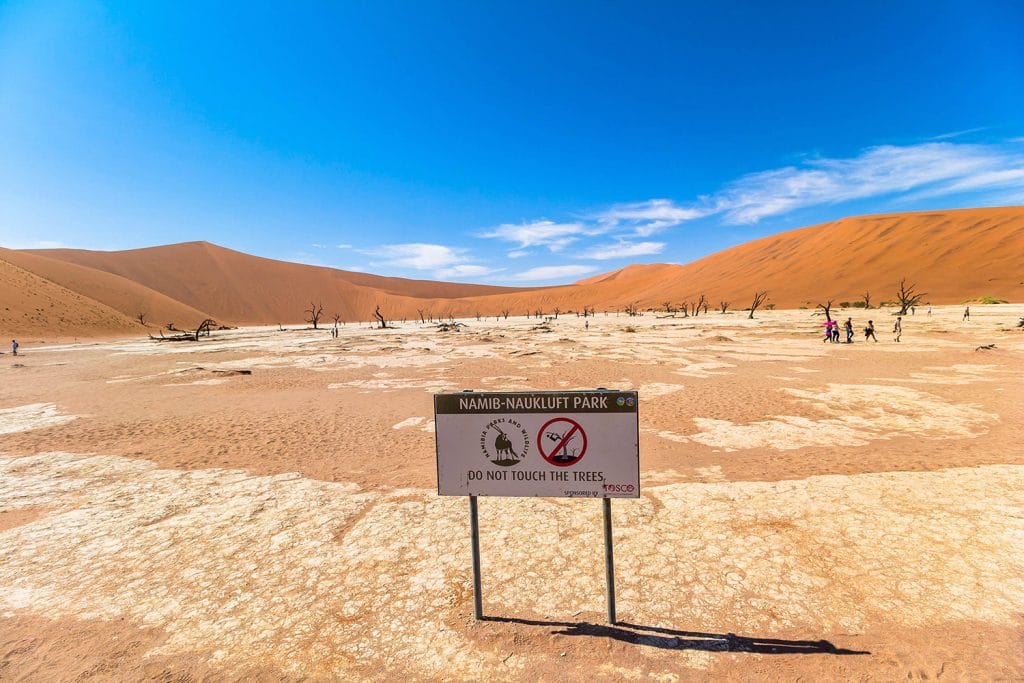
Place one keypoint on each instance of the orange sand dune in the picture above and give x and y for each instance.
(32, 306)
(118, 293)
(953, 255)
(241, 288)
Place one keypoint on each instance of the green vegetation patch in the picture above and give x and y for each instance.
(986, 300)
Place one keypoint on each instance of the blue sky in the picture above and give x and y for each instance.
(501, 142)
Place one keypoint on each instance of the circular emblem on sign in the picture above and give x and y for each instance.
(504, 442)
(562, 442)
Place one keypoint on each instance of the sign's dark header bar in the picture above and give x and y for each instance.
(471, 402)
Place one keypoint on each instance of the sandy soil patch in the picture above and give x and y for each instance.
(860, 414)
(294, 568)
(284, 524)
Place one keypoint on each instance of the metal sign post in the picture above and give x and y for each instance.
(567, 444)
(609, 558)
(474, 530)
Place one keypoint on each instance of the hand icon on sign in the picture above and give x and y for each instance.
(567, 448)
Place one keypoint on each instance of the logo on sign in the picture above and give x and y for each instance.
(504, 442)
(562, 442)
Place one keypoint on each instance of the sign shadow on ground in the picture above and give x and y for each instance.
(673, 639)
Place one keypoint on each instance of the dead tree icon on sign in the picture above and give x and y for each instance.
(562, 442)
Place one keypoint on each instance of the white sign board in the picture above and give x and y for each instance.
(565, 444)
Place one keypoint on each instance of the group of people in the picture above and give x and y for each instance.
(832, 330)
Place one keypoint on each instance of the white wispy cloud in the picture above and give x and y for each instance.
(623, 249)
(442, 261)
(958, 133)
(940, 168)
(552, 272)
(647, 218)
(518, 253)
(343, 246)
(417, 255)
(32, 244)
(539, 233)
(463, 271)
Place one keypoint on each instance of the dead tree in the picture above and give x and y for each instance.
(141, 317)
(337, 319)
(685, 308)
(668, 307)
(827, 307)
(315, 312)
(759, 298)
(204, 328)
(702, 303)
(631, 310)
(723, 306)
(867, 299)
(380, 317)
(504, 313)
(557, 311)
(420, 311)
(907, 296)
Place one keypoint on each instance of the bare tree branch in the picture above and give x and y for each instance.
(827, 307)
(907, 296)
(759, 298)
(315, 311)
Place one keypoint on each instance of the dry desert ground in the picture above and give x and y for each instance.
(808, 510)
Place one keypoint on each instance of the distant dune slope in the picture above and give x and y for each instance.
(121, 294)
(238, 287)
(953, 255)
(32, 306)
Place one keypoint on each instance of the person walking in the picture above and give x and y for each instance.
(897, 329)
(869, 331)
(929, 310)
(849, 330)
(967, 313)
(14, 346)
(835, 331)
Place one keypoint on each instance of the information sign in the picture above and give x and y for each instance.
(566, 444)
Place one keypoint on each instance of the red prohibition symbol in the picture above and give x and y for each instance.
(562, 442)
